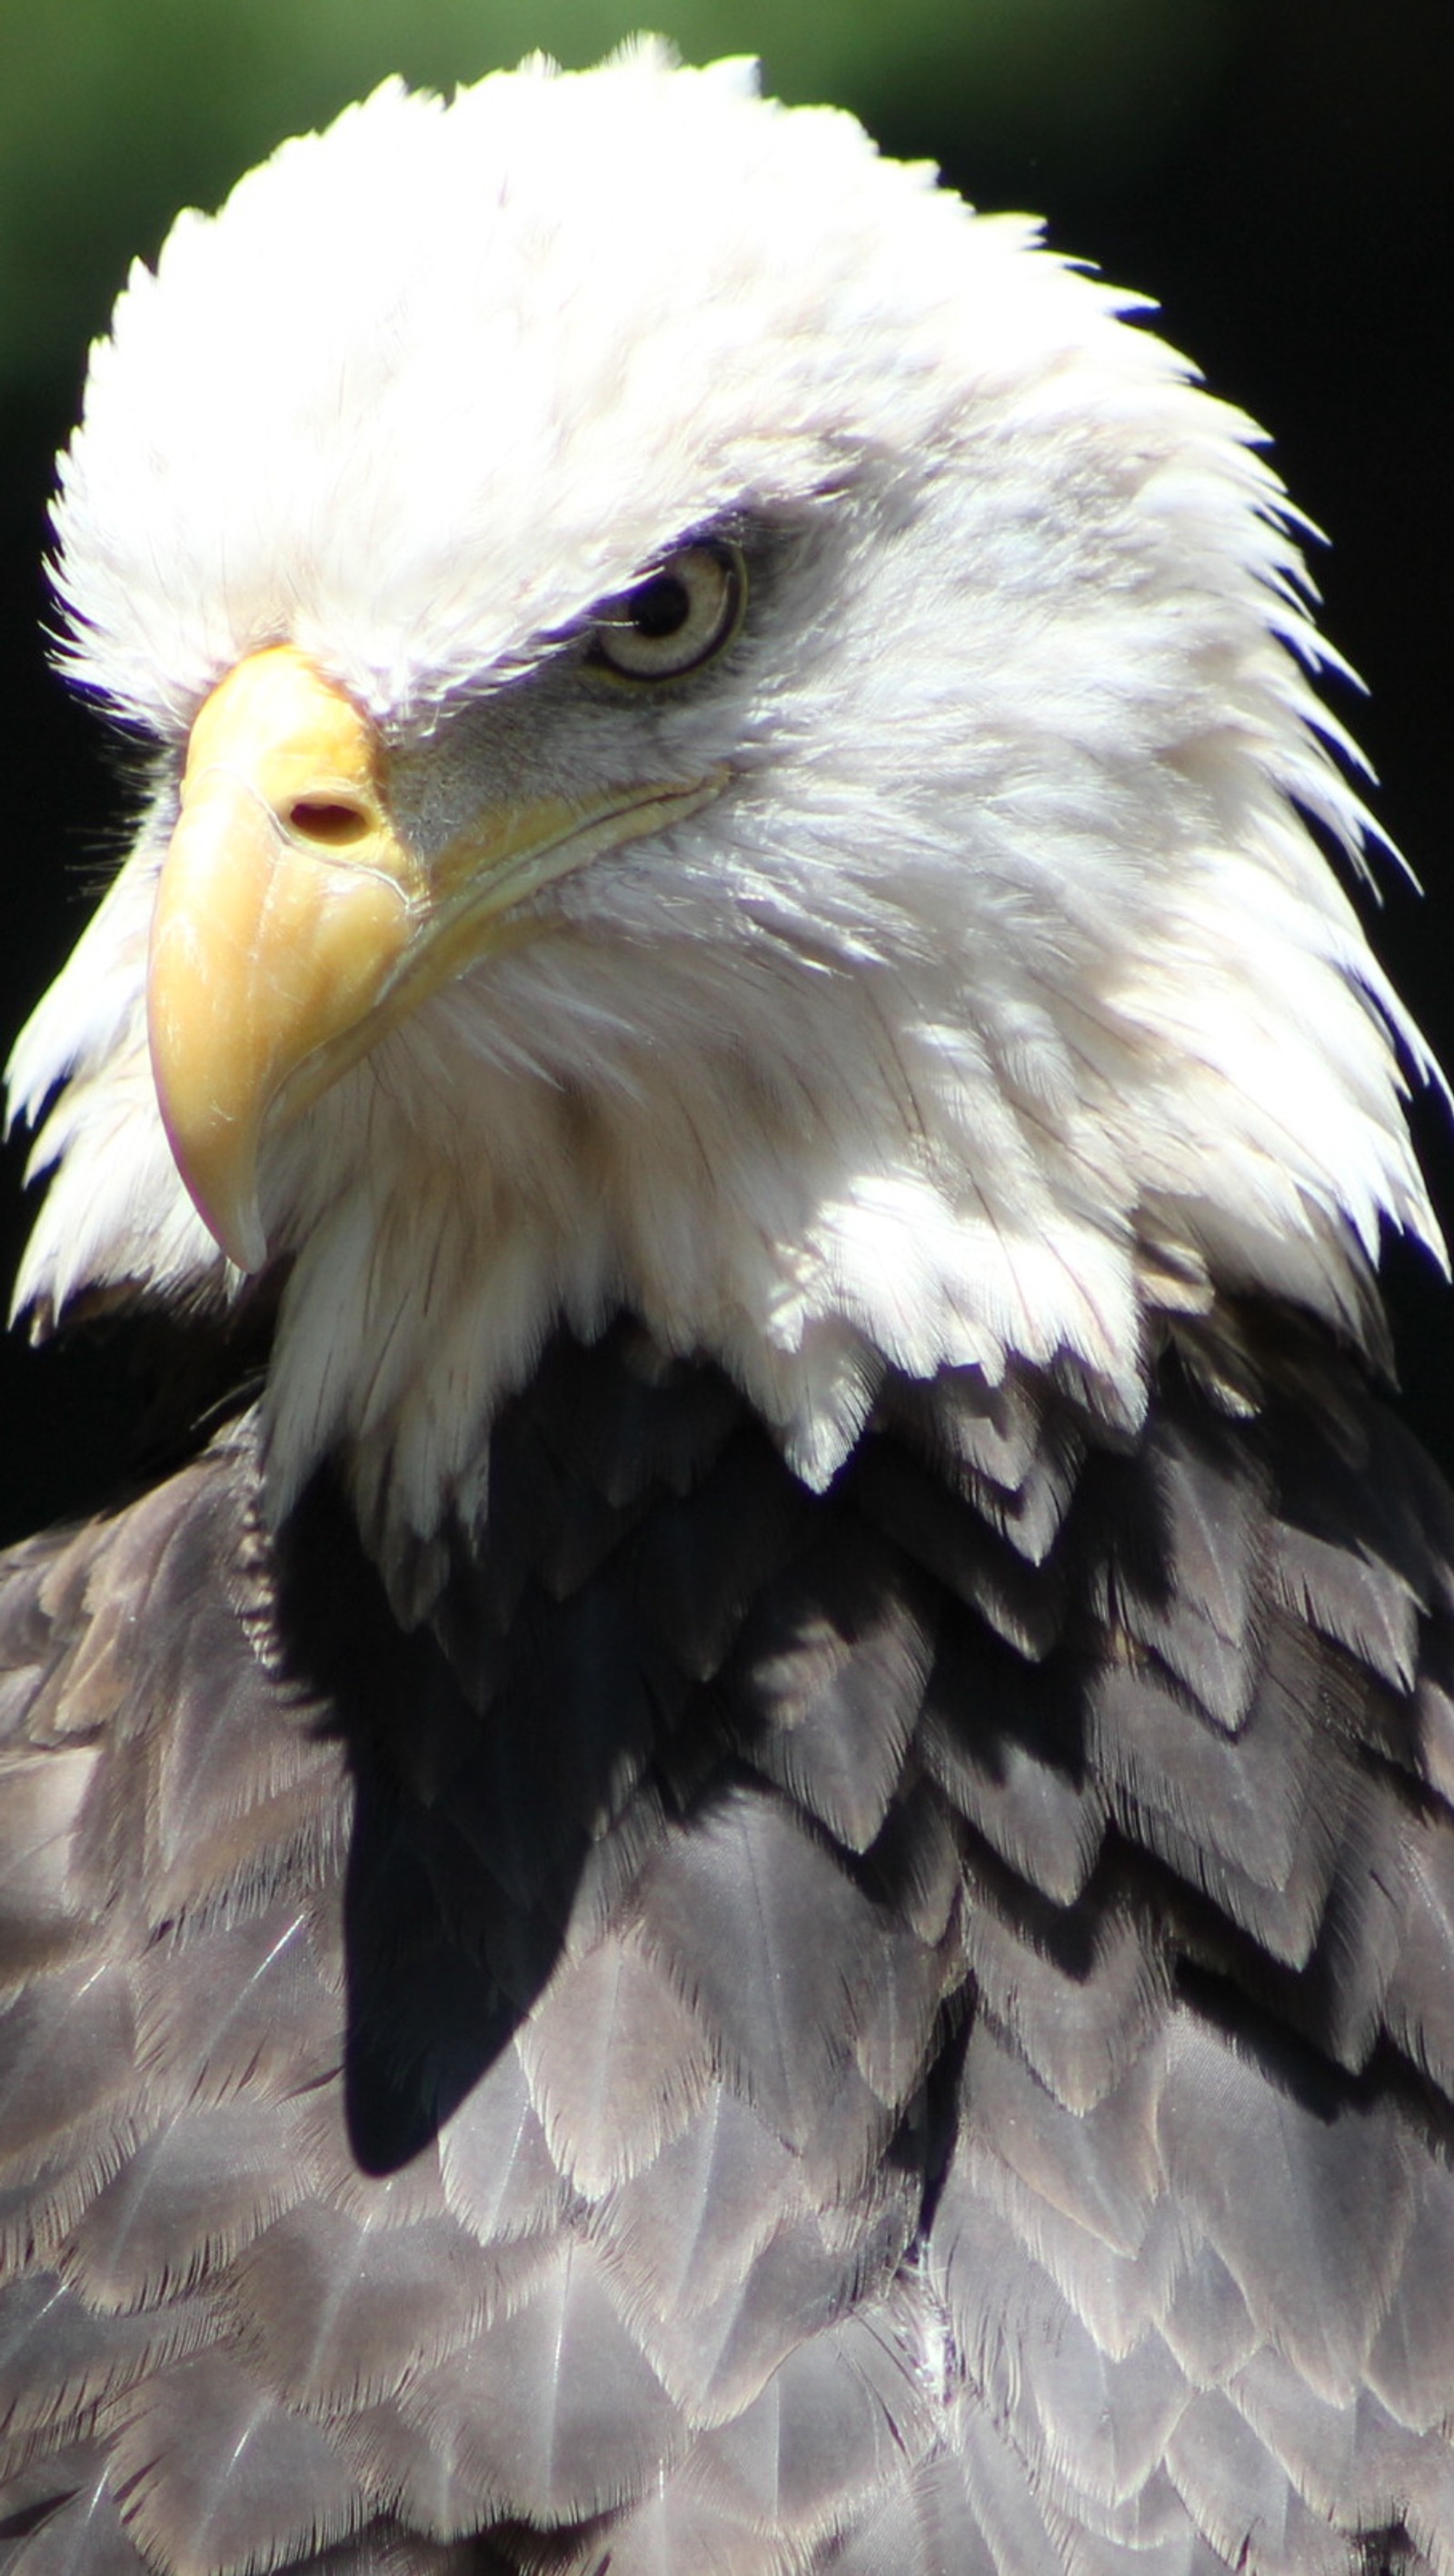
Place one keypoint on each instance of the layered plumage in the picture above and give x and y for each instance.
(761, 1879)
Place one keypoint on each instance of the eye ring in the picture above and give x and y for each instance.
(680, 615)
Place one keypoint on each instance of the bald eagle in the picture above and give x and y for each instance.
(755, 1876)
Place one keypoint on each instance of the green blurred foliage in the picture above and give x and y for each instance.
(115, 112)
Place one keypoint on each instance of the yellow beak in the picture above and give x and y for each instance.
(294, 924)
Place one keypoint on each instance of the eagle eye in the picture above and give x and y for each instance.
(677, 617)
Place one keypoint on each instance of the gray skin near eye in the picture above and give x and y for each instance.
(677, 618)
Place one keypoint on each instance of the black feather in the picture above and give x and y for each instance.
(905, 2031)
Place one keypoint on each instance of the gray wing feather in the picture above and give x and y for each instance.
(907, 2033)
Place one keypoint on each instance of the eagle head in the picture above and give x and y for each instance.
(731, 741)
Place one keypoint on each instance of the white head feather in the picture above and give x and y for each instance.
(1003, 997)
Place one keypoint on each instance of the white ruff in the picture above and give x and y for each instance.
(1003, 994)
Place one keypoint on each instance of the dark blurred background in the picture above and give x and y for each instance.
(1277, 173)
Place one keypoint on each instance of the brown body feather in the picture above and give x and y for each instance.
(872, 2033)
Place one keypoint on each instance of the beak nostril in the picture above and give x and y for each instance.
(328, 820)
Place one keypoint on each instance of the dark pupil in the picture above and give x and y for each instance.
(661, 607)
